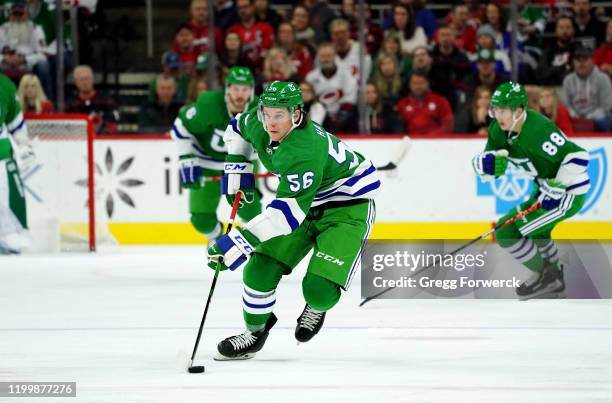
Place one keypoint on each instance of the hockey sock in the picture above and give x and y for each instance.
(548, 250)
(525, 251)
(320, 293)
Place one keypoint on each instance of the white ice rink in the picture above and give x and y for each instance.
(119, 323)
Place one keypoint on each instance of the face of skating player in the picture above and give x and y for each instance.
(239, 95)
(277, 122)
(504, 116)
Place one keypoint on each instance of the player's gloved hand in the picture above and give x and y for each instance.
(492, 163)
(231, 250)
(191, 171)
(25, 158)
(238, 176)
(550, 193)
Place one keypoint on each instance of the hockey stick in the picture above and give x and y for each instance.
(389, 166)
(200, 368)
(509, 221)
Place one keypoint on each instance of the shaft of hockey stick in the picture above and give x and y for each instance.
(230, 224)
(509, 221)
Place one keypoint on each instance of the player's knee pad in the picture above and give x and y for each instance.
(204, 223)
(263, 273)
(319, 292)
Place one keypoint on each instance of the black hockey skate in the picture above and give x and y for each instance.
(548, 283)
(308, 324)
(245, 345)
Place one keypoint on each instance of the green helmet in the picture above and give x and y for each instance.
(282, 94)
(239, 75)
(509, 95)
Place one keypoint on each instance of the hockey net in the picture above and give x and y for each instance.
(60, 186)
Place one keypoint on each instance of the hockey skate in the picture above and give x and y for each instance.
(547, 284)
(244, 346)
(308, 324)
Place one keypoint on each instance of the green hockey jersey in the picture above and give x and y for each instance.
(541, 150)
(314, 167)
(11, 119)
(199, 128)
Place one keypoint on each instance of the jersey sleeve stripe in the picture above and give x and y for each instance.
(284, 208)
(350, 182)
(179, 131)
(578, 185)
(13, 127)
(577, 161)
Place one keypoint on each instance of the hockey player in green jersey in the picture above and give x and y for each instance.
(323, 202)
(198, 133)
(537, 147)
(15, 155)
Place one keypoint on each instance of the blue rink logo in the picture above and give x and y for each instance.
(515, 187)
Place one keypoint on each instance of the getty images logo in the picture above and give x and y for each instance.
(515, 187)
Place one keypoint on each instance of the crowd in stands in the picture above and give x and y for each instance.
(426, 73)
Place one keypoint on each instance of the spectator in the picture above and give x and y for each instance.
(348, 52)
(22, 43)
(374, 34)
(485, 38)
(475, 119)
(256, 37)
(533, 96)
(485, 74)
(184, 47)
(264, 13)
(380, 116)
(171, 65)
(231, 55)
(550, 106)
(199, 27)
(157, 116)
(320, 15)
(404, 25)
(590, 31)
(304, 33)
(496, 19)
(278, 66)
(423, 16)
(531, 24)
(32, 98)
(556, 62)
(196, 86)
(392, 46)
(465, 35)
(315, 109)
(225, 14)
(335, 89)
(103, 110)
(440, 81)
(387, 79)
(423, 111)
(452, 63)
(587, 91)
(300, 56)
(603, 55)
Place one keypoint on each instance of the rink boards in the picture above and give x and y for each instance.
(433, 193)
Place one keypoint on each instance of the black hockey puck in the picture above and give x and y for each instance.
(196, 369)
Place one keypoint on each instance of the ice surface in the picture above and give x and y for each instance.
(119, 323)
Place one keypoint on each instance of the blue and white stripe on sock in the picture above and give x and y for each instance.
(524, 250)
(550, 252)
(258, 302)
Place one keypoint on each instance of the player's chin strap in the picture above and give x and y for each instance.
(515, 119)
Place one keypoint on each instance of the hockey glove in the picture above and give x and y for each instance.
(231, 250)
(26, 158)
(191, 171)
(492, 163)
(238, 175)
(550, 193)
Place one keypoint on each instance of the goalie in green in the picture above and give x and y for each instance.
(324, 202)
(537, 147)
(198, 134)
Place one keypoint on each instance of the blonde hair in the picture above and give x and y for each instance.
(555, 105)
(40, 96)
(387, 88)
(273, 53)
